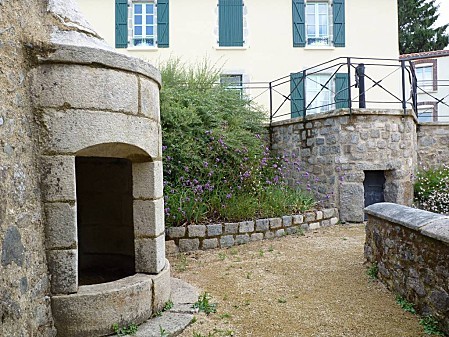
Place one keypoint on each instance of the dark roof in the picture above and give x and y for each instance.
(424, 55)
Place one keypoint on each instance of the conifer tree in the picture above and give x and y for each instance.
(416, 27)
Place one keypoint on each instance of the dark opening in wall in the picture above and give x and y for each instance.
(374, 186)
(105, 219)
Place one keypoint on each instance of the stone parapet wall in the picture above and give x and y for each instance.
(336, 148)
(411, 250)
(223, 235)
(433, 144)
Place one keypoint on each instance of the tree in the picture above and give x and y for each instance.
(416, 31)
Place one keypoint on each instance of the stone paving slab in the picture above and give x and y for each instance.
(174, 321)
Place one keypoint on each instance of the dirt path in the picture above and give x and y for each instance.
(312, 286)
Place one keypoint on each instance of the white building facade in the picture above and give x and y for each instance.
(253, 41)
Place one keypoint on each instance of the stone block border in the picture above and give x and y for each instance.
(222, 235)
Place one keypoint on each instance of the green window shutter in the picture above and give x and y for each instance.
(299, 27)
(230, 23)
(162, 24)
(341, 91)
(297, 95)
(339, 23)
(121, 23)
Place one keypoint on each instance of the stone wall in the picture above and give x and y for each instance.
(334, 150)
(411, 250)
(24, 280)
(65, 94)
(433, 144)
(223, 235)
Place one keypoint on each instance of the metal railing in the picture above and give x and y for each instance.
(344, 83)
(432, 101)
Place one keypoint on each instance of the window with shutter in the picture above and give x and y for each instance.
(318, 23)
(297, 101)
(230, 23)
(142, 23)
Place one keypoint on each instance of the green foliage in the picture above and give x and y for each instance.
(204, 304)
(163, 332)
(432, 189)
(416, 31)
(405, 305)
(125, 330)
(372, 271)
(216, 163)
(430, 325)
(168, 305)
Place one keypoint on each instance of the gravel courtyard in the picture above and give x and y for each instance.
(313, 286)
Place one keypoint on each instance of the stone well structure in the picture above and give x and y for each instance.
(82, 230)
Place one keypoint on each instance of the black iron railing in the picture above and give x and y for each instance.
(344, 83)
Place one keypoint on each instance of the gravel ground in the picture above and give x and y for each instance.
(314, 286)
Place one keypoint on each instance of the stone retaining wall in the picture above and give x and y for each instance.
(411, 250)
(335, 149)
(433, 144)
(196, 237)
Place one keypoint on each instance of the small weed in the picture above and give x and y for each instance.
(405, 305)
(225, 297)
(430, 325)
(225, 315)
(282, 300)
(344, 239)
(233, 251)
(194, 319)
(182, 263)
(261, 253)
(125, 330)
(224, 332)
(373, 271)
(168, 305)
(300, 232)
(203, 304)
(270, 249)
(222, 256)
(163, 332)
(248, 276)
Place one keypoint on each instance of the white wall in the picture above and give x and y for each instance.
(371, 31)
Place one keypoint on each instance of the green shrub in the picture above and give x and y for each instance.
(432, 189)
(217, 165)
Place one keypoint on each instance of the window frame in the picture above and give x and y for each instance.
(428, 63)
(329, 103)
(230, 86)
(132, 25)
(316, 25)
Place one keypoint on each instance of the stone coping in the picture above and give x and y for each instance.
(222, 235)
(427, 223)
(345, 112)
(93, 55)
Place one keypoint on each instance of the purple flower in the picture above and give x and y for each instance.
(205, 164)
(228, 196)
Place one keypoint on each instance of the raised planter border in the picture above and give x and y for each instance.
(222, 235)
